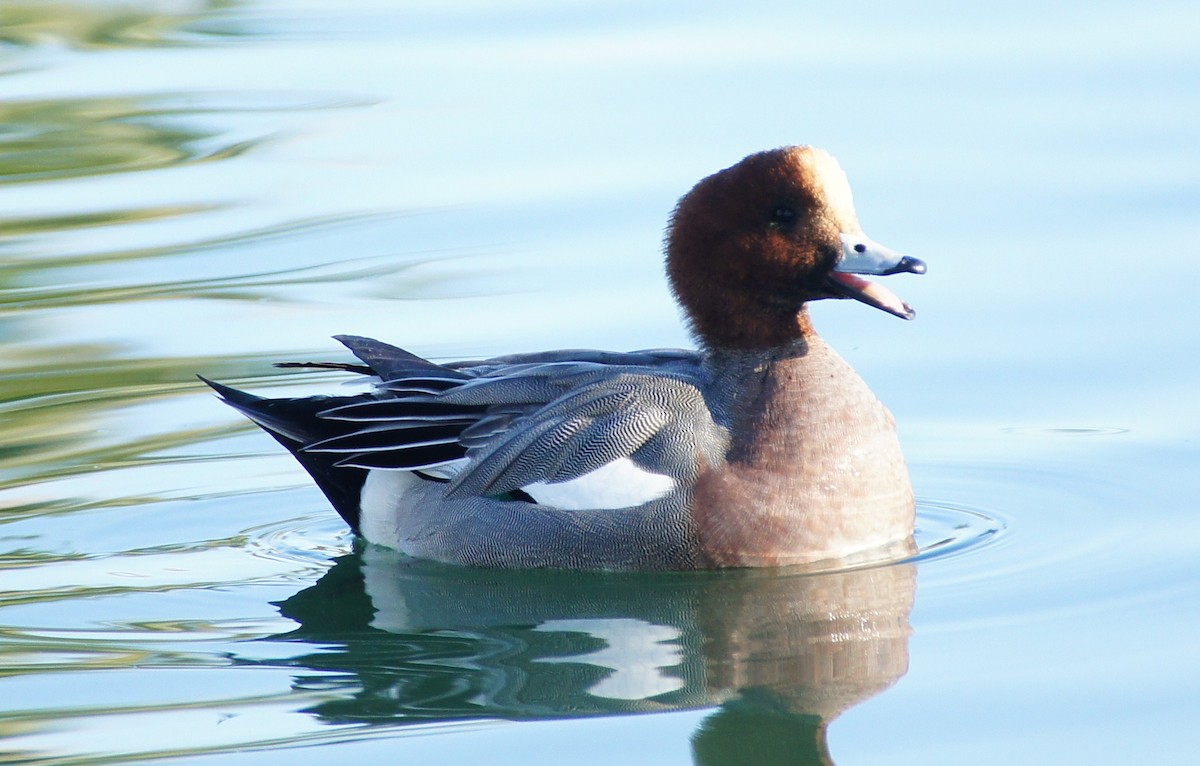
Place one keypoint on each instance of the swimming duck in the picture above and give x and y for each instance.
(762, 448)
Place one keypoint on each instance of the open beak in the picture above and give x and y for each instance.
(862, 255)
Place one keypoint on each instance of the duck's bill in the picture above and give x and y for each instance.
(862, 255)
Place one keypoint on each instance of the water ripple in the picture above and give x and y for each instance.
(946, 530)
(308, 540)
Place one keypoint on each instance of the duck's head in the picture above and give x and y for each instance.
(748, 246)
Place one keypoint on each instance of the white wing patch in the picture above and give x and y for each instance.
(619, 484)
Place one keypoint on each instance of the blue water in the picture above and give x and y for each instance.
(214, 186)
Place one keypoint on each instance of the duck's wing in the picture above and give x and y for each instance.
(511, 422)
(658, 423)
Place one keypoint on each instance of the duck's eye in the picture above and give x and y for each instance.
(860, 248)
(783, 215)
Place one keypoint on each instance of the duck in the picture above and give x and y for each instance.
(761, 447)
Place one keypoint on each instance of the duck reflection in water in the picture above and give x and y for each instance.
(779, 653)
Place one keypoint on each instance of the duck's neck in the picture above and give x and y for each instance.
(812, 468)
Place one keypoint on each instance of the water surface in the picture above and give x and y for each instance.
(211, 186)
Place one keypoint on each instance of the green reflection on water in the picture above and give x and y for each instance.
(73, 137)
(52, 408)
(33, 280)
(58, 397)
(12, 228)
(92, 25)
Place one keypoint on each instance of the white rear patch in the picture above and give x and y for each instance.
(381, 496)
(619, 484)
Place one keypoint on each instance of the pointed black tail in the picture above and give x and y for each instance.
(294, 424)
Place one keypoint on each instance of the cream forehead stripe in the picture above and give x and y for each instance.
(832, 179)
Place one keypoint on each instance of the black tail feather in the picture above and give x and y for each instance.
(294, 423)
(391, 363)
